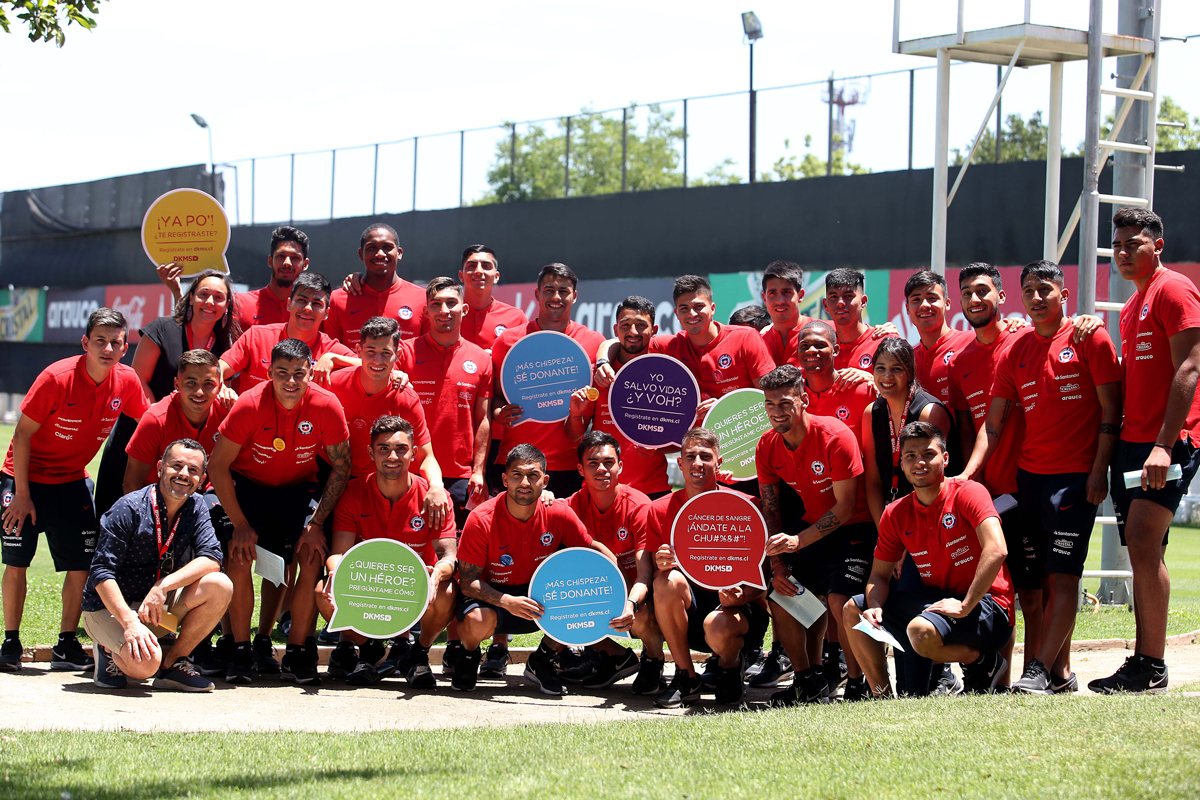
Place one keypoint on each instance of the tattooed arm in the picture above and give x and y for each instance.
(845, 494)
(312, 546)
(989, 437)
(473, 585)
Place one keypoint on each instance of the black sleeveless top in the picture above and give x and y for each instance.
(882, 436)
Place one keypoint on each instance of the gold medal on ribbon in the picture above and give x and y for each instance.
(593, 393)
(279, 444)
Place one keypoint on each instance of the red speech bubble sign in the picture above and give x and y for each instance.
(720, 540)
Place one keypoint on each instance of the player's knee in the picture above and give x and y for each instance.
(924, 637)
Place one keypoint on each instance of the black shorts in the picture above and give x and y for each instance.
(65, 513)
(506, 622)
(277, 513)
(222, 527)
(986, 628)
(494, 471)
(838, 563)
(1131, 456)
(1057, 519)
(459, 490)
(1020, 550)
(706, 601)
(655, 495)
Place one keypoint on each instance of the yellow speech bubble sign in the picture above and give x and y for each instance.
(189, 227)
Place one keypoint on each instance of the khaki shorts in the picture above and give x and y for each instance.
(104, 628)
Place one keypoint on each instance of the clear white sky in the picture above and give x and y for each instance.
(276, 77)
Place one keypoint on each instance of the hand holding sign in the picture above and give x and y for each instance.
(541, 372)
(189, 228)
(653, 400)
(581, 592)
(380, 589)
(719, 539)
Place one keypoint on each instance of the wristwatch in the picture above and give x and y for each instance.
(636, 605)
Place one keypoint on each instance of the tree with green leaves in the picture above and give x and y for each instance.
(46, 19)
(1021, 140)
(788, 168)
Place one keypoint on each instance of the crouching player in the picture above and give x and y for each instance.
(389, 503)
(952, 531)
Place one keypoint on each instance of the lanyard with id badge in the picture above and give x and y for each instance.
(166, 558)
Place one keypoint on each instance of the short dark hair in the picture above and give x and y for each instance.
(311, 280)
(822, 327)
(639, 304)
(188, 444)
(378, 226)
(977, 268)
(784, 271)
(845, 278)
(106, 318)
(785, 377)
(389, 424)
(687, 284)
(1130, 217)
(380, 327)
(525, 452)
(594, 438)
(1044, 270)
(898, 348)
(479, 248)
(441, 284)
(286, 233)
(923, 430)
(752, 316)
(291, 350)
(922, 278)
(558, 271)
(702, 435)
(198, 358)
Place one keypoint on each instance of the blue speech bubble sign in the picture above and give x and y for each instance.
(653, 400)
(541, 372)
(581, 591)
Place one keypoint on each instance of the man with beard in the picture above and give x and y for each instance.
(383, 292)
(269, 305)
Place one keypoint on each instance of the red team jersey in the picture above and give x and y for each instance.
(361, 410)
(403, 302)
(510, 550)
(933, 365)
(251, 353)
(1055, 379)
(784, 350)
(643, 469)
(1168, 305)
(972, 373)
(483, 328)
(736, 359)
(859, 353)
(828, 453)
(621, 529)
(257, 419)
(164, 423)
(365, 512)
(448, 381)
(549, 437)
(844, 405)
(75, 415)
(260, 307)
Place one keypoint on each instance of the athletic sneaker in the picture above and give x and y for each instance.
(10, 655)
(541, 672)
(299, 667)
(683, 690)
(264, 655)
(807, 687)
(776, 668)
(1034, 680)
(1069, 686)
(731, 686)
(204, 656)
(1136, 676)
(285, 624)
(342, 660)
(327, 636)
(454, 651)
(755, 659)
(364, 672)
(495, 663)
(575, 667)
(466, 669)
(612, 669)
(856, 690)
(182, 676)
(833, 667)
(419, 675)
(649, 678)
(944, 683)
(709, 676)
(982, 676)
(108, 675)
(241, 666)
(397, 658)
(69, 654)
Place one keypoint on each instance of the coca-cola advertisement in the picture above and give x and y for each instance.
(141, 304)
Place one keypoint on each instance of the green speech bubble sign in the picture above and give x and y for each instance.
(380, 589)
(739, 420)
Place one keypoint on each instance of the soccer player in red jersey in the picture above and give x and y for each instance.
(782, 291)
(488, 317)
(44, 487)
(927, 300)
(1071, 395)
(690, 616)
(503, 542)
(845, 300)
(1160, 353)
(964, 610)
(264, 470)
(555, 440)
(830, 393)
(615, 515)
(827, 550)
(389, 503)
(383, 293)
(269, 305)
(251, 354)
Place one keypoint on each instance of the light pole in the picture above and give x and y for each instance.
(753, 30)
(212, 172)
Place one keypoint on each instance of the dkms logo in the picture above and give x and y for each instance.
(404, 313)
(818, 468)
(547, 538)
(843, 413)
(864, 360)
(417, 523)
(305, 427)
(506, 560)
(1066, 355)
(1145, 311)
(470, 367)
(948, 521)
(725, 361)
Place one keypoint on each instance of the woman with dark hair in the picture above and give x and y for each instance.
(204, 319)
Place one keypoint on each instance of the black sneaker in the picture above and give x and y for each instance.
(776, 668)
(466, 669)
(833, 667)
(1034, 680)
(807, 687)
(541, 672)
(69, 654)
(578, 667)
(856, 690)
(612, 669)
(944, 683)
(397, 658)
(204, 656)
(299, 667)
(649, 678)
(284, 626)
(454, 650)
(342, 661)
(364, 672)
(1136, 676)
(731, 686)
(264, 655)
(241, 666)
(982, 676)
(755, 659)
(108, 675)
(683, 690)
(10, 655)
(1069, 685)
(495, 663)
(327, 636)
(182, 676)
(418, 674)
(709, 676)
